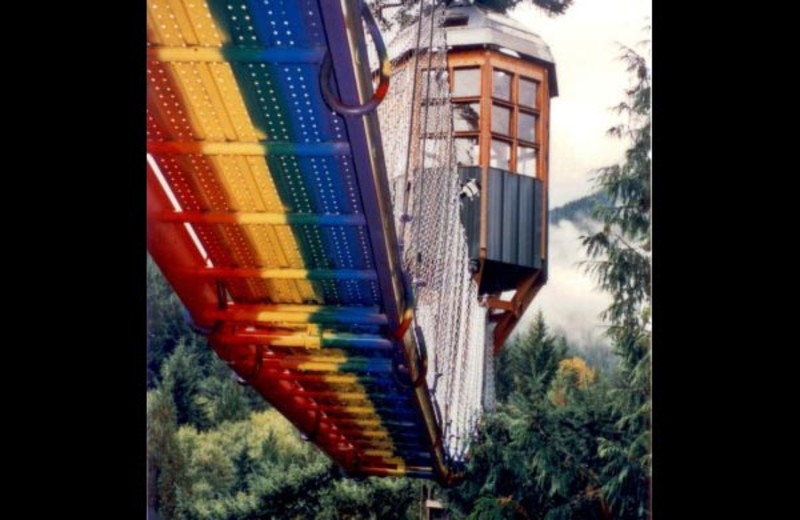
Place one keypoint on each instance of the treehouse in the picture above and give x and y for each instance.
(502, 77)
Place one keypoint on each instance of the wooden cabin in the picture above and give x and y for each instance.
(502, 77)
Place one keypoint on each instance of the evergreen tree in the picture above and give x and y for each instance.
(622, 267)
(165, 463)
(182, 374)
(165, 323)
(537, 457)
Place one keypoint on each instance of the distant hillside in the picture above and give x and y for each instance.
(578, 210)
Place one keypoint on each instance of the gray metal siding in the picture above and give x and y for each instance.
(494, 235)
(515, 224)
(526, 234)
(538, 228)
(509, 210)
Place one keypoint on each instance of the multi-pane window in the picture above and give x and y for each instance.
(501, 119)
(467, 82)
(511, 107)
(467, 151)
(528, 90)
(467, 115)
(501, 155)
(526, 160)
(515, 118)
(501, 85)
(526, 127)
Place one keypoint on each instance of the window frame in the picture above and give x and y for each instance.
(515, 110)
(456, 100)
(488, 64)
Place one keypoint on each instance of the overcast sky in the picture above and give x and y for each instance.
(590, 79)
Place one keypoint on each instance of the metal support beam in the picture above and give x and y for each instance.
(242, 217)
(325, 339)
(260, 148)
(288, 274)
(297, 314)
(237, 54)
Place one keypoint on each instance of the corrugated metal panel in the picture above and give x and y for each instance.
(494, 235)
(526, 234)
(515, 224)
(538, 228)
(509, 210)
(546, 231)
(514, 216)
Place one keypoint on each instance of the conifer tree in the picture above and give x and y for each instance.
(164, 458)
(621, 264)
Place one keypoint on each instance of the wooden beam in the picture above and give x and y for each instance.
(496, 303)
(526, 290)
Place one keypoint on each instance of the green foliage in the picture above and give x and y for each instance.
(622, 247)
(536, 458)
(165, 322)
(623, 269)
(181, 374)
(389, 13)
(553, 7)
(215, 453)
(164, 458)
(259, 468)
(567, 442)
(371, 498)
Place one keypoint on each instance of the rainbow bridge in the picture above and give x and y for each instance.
(269, 214)
(320, 230)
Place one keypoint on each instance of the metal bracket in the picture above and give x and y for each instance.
(385, 73)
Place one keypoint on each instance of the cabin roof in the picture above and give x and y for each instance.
(469, 26)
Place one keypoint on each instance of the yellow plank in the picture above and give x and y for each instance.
(166, 26)
(183, 22)
(214, 98)
(205, 27)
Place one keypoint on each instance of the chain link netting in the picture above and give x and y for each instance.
(417, 132)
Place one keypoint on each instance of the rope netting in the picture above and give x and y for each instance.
(417, 132)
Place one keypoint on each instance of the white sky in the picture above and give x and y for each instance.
(590, 79)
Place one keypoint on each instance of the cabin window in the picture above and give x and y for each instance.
(526, 161)
(501, 155)
(504, 120)
(466, 117)
(528, 92)
(526, 127)
(467, 151)
(501, 85)
(501, 118)
(467, 82)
